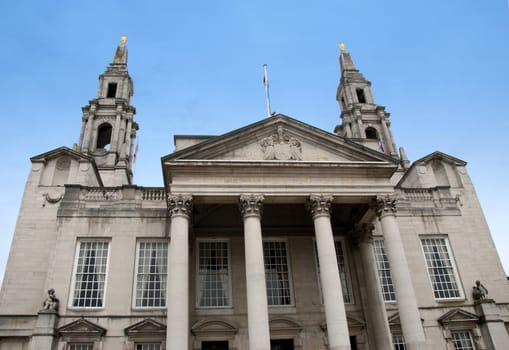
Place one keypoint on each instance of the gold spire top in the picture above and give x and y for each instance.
(342, 47)
(123, 39)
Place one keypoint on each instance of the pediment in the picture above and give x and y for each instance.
(145, 327)
(279, 138)
(353, 323)
(81, 328)
(213, 327)
(285, 324)
(60, 152)
(440, 156)
(394, 320)
(458, 316)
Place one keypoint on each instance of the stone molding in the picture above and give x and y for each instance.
(319, 205)
(251, 205)
(384, 205)
(180, 205)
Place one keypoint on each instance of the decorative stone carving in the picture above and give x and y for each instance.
(384, 205)
(51, 302)
(479, 292)
(362, 233)
(319, 205)
(281, 146)
(251, 205)
(180, 204)
(52, 200)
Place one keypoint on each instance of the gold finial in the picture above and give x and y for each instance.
(123, 39)
(342, 47)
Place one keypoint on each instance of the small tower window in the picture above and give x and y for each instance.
(343, 102)
(104, 136)
(112, 90)
(360, 95)
(371, 133)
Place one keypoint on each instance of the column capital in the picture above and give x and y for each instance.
(251, 205)
(384, 205)
(180, 205)
(319, 205)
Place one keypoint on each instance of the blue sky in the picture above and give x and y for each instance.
(439, 67)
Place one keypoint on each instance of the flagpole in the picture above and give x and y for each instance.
(266, 83)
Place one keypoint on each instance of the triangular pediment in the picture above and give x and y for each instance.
(437, 155)
(144, 327)
(353, 323)
(213, 327)
(59, 152)
(81, 328)
(458, 316)
(279, 138)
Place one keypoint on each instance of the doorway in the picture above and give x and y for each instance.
(214, 345)
(281, 344)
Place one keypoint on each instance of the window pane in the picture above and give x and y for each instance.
(80, 346)
(277, 275)
(213, 274)
(399, 342)
(440, 268)
(90, 275)
(148, 346)
(462, 340)
(151, 274)
(340, 256)
(384, 270)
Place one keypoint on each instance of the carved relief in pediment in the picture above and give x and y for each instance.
(281, 146)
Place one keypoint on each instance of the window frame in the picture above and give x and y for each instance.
(197, 259)
(79, 241)
(348, 279)
(136, 344)
(470, 337)
(135, 277)
(452, 261)
(69, 344)
(401, 343)
(380, 238)
(290, 274)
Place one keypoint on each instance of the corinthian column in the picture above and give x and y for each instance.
(177, 299)
(335, 315)
(377, 313)
(251, 207)
(405, 295)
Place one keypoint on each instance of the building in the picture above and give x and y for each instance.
(277, 235)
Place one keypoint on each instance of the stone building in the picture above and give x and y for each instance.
(277, 235)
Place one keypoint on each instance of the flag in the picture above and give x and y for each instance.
(381, 146)
(265, 76)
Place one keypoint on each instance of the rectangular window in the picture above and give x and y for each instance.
(342, 267)
(151, 273)
(440, 268)
(148, 346)
(277, 274)
(80, 346)
(398, 341)
(462, 340)
(90, 274)
(213, 274)
(112, 90)
(384, 270)
(360, 95)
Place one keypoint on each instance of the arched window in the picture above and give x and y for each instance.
(104, 136)
(371, 133)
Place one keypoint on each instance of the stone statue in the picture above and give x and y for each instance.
(479, 292)
(51, 302)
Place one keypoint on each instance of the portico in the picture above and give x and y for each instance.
(242, 195)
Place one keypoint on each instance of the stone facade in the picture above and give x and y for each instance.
(277, 235)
